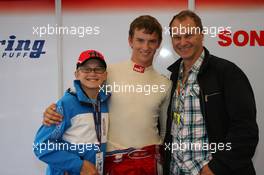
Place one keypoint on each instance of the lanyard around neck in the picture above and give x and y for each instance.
(97, 120)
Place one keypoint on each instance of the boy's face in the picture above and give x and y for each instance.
(91, 74)
(143, 46)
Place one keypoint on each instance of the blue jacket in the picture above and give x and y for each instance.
(64, 147)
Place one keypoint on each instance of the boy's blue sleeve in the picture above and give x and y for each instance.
(49, 147)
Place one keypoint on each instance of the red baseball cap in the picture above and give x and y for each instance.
(90, 54)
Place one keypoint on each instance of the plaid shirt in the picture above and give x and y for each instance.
(188, 126)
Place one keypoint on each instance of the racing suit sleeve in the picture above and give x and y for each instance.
(163, 111)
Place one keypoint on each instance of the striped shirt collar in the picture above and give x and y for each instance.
(195, 67)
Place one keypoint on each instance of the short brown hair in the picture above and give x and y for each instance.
(148, 23)
(188, 13)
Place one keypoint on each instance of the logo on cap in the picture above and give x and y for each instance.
(90, 54)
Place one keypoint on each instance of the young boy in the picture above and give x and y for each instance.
(77, 145)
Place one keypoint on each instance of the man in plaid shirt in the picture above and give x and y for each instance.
(190, 126)
(211, 126)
